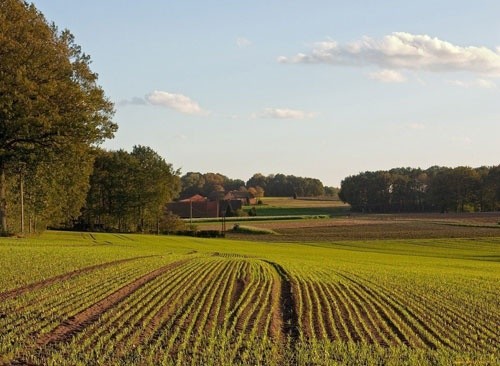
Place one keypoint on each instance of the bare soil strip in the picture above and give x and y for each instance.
(65, 276)
(288, 309)
(87, 316)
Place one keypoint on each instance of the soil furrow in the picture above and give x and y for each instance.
(87, 316)
(328, 317)
(288, 307)
(416, 332)
(335, 301)
(49, 281)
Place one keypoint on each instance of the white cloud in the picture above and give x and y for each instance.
(401, 50)
(488, 84)
(178, 102)
(284, 113)
(459, 83)
(478, 83)
(242, 42)
(388, 76)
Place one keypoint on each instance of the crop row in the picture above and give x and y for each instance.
(196, 307)
(27, 318)
(450, 323)
(228, 308)
(342, 306)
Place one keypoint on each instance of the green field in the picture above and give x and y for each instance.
(93, 299)
(283, 206)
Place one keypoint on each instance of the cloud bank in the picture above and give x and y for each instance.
(478, 83)
(177, 102)
(284, 113)
(401, 50)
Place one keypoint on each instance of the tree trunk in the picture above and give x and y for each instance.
(3, 199)
(21, 189)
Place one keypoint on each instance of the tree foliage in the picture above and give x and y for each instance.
(281, 185)
(208, 183)
(52, 111)
(441, 189)
(277, 185)
(128, 191)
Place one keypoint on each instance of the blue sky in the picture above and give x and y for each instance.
(322, 89)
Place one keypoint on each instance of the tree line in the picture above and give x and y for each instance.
(129, 191)
(54, 116)
(281, 185)
(439, 189)
(273, 185)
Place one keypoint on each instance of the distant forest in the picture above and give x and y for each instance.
(127, 191)
(442, 189)
(273, 185)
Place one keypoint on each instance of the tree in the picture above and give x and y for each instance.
(456, 189)
(353, 190)
(492, 187)
(234, 185)
(214, 182)
(129, 191)
(257, 180)
(109, 203)
(257, 192)
(155, 184)
(50, 101)
(435, 189)
(192, 183)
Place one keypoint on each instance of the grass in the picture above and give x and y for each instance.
(360, 290)
(245, 229)
(283, 206)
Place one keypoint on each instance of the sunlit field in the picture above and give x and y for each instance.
(74, 298)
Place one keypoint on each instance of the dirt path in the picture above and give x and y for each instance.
(288, 309)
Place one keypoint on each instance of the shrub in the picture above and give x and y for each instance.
(171, 223)
(237, 228)
(240, 213)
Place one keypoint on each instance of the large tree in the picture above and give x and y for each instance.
(50, 101)
(128, 191)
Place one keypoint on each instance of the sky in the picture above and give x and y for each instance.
(322, 89)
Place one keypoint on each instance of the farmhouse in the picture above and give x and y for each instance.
(198, 206)
(245, 197)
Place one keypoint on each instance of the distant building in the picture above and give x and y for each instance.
(195, 198)
(198, 206)
(245, 197)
